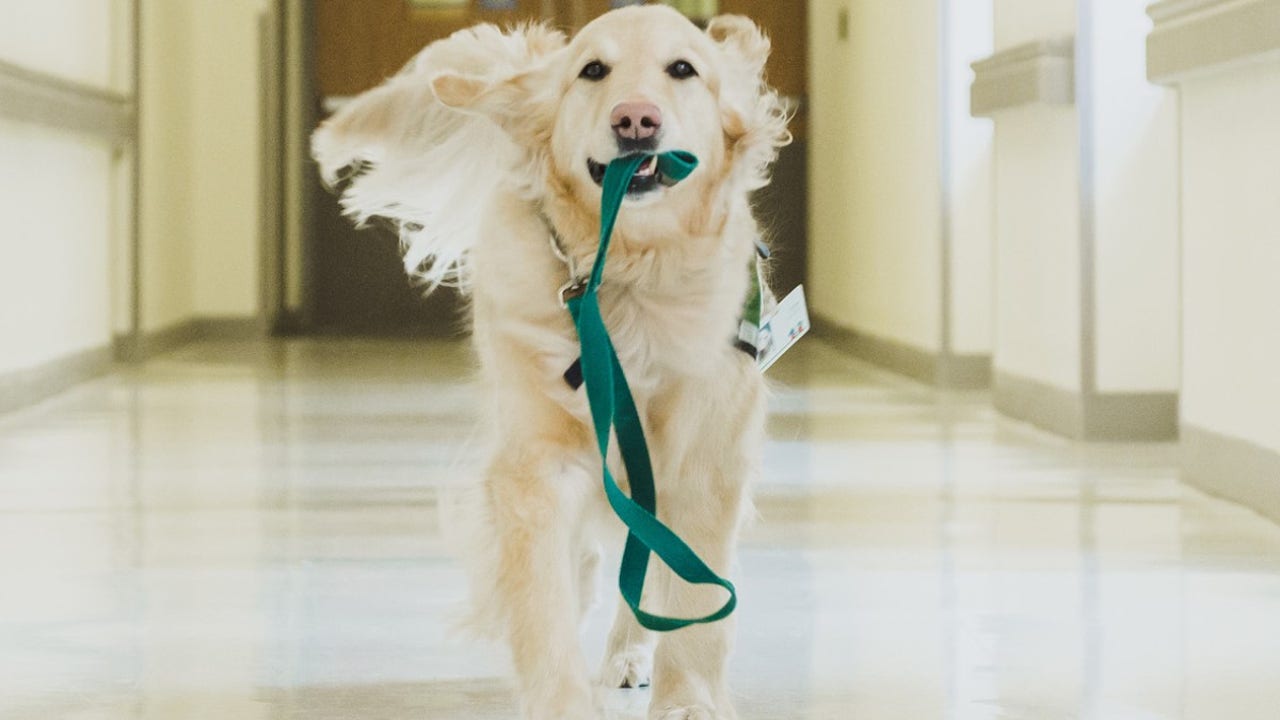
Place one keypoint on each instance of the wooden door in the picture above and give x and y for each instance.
(783, 207)
(359, 43)
(358, 283)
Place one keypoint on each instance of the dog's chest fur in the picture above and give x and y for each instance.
(672, 312)
(680, 324)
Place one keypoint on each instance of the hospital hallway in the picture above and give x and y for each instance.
(1024, 465)
(249, 530)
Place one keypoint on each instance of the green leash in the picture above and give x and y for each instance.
(612, 406)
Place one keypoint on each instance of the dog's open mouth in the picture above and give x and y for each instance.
(647, 177)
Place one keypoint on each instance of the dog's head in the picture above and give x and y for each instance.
(638, 80)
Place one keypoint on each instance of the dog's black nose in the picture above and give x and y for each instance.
(636, 120)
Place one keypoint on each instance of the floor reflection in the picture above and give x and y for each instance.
(249, 530)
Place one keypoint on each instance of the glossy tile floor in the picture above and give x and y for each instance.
(248, 531)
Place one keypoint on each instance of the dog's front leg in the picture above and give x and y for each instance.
(535, 499)
(689, 665)
(710, 453)
(689, 679)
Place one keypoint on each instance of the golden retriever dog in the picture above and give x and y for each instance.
(487, 151)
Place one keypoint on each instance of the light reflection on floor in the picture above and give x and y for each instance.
(248, 531)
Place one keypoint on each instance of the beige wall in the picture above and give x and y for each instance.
(1124, 160)
(1037, 220)
(227, 157)
(166, 149)
(72, 39)
(64, 218)
(1231, 253)
(874, 183)
(1021, 21)
(200, 160)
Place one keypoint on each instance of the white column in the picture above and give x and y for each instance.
(1224, 58)
(1085, 226)
(967, 190)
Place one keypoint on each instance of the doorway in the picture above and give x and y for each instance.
(356, 284)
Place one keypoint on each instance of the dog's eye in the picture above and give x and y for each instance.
(594, 71)
(681, 70)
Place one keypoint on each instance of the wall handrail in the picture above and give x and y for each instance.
(1036, 72)
(1195, 37)
(40, 98)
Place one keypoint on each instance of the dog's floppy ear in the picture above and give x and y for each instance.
(485, 96)
(754, 115)
(400, 120)
(471, 80)
(521, 104)
(461, 92)
(741, 38)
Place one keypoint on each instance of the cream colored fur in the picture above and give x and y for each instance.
(473, 149)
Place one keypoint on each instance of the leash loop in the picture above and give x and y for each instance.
(613, 408)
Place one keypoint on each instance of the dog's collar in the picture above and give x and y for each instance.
(577, 283)
(748, 336)
(578, 279)
(747, 339)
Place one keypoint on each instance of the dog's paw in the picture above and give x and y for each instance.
(627, 669)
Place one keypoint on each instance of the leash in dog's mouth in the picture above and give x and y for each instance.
(648, 175)
(614, 411)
